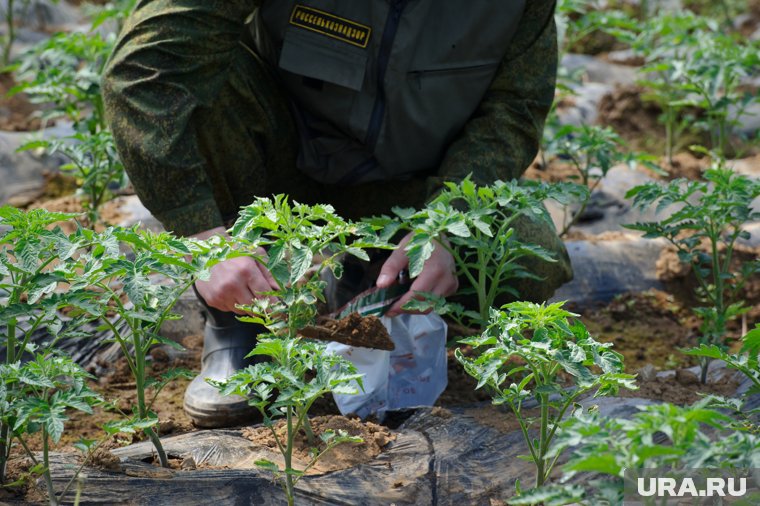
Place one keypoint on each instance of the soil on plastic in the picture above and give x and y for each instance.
(375, 437)
(110, 211)
(686, 165)
(682, 388)
(353, 330)
(646, 328)
(500, 418)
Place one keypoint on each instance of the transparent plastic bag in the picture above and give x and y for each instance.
(414, 374)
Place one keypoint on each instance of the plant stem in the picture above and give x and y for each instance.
(5, 430)
(4, 450)
(11, 33)
(142, 410)
(669, 135)
(289, 485)
(46, 462)
(543, 441)
(483, 306)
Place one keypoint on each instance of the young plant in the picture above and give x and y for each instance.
(578, 20)
(9, 37)
(661, 436)
(133, 294)
(36, 262)
(64, 72)
(300, 371)
(747, 361)
(475, 224)
(95, 164)
(714, 76)
(42, 391)
(521, 356)
(704, 229)
(665, 42)
(592, 151)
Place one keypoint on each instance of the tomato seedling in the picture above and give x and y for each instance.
(298, 371)
(704, 228)
(520, 357)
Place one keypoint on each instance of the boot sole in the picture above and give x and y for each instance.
(224, 416)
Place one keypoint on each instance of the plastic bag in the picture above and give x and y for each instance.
(414, 374)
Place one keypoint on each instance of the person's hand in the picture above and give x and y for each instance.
(438, 275)
(235, 281)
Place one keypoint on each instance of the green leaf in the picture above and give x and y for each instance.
(267, 465)
(301, 261)
(552, 495)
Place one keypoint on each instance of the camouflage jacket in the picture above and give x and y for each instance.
(174, 56)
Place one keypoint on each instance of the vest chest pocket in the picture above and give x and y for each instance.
(435, 75)
(311, 56)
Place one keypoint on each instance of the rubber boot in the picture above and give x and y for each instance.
(226, 342)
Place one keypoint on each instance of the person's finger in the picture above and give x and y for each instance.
(436, 278)
(262, 266)
(393, 266)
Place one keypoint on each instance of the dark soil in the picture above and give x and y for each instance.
(682, 388)
(353, 330)
(686, 165)
(646, 328)
(343, 456)
(16, 111)
(633, 118)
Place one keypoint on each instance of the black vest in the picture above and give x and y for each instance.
(382, 87)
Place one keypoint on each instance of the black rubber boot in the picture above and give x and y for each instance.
(226, 342)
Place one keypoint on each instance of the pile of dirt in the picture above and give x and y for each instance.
(679, 279)
(16, 112)
(633, 118)
(555, 171)
(110, 212)
(682, 388)
(686, 165)
(353, 330)
(343, 456)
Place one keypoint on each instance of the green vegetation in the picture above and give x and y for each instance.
(522, 354)
(475, 224)
(704, 227)
(298, 372)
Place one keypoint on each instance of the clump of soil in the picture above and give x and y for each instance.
(555, 171)
(18, 472)
(343, 456)
(682, 388)
(633, 118)
(353, 330)
(110, 211)
(55, 185)
(16, 112)
(102, 458)
(687, 166)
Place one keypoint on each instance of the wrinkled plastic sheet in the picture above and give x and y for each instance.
(438, 458)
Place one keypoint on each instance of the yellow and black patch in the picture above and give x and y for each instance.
(330, 25)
